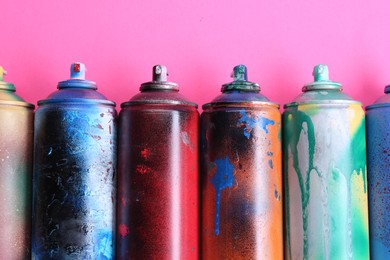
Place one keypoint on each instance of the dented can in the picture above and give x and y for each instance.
(16, 147)
(324, 151)
(158, 204)
(74, 181)
(378, 163)
(241, 174)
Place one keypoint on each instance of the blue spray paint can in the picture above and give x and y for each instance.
(241, 174)
(378, 164)
(74, 179)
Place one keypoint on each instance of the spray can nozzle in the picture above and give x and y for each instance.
(160, 73)
(321, 72)
(240, 81)
(321, 80)
(160, 81)
(77, 70)
(5, 85)
(2, 73)
(239, 73)
(77, 78)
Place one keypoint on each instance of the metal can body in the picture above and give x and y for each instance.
(378, 162)
(74, 183)
(241, 181)
(325, 176)
(16, 147)
(158, 197)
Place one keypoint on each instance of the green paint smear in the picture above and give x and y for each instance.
(360, 240)
(351, 161)
(358, 147)
(292, 142)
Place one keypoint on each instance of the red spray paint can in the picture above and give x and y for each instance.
(158, 183)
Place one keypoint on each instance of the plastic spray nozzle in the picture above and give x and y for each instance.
(77, 70)
(2, 73)
(160, 73)
(321, 72)
(321, 80)
(240, 73)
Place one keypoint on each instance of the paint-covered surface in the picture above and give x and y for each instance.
(241, 183)
(74, 181)
(241, 174)
(324, 151)
(378, 162)
(325, 182)
(158, 180)
(16, 146)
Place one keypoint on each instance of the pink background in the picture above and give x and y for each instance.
(199, 41)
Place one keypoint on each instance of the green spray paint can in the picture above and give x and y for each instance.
(324, 151)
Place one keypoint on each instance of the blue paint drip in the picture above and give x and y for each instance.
(222, 179)
(103, 247)
(270, 164)
(251, 122)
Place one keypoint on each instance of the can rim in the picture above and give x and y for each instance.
(377, 105)
(158, 102)
(77, 101)
(17, 103)
(323, 102)
(240, 104)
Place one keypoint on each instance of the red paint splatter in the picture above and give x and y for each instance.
(145, 153)
(143, 169)
(123, 230)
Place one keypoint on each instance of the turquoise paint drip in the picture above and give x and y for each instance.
(222, 179)
(251, 122)
(304, 184)
(280, 135)
(358, 147)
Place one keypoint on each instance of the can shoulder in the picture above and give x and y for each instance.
(383, 101)
(10, 98)
(321, 97)
(159, 98)
(76, 95)
(238, 98)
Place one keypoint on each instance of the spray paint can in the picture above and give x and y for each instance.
(378, 163)
(16, 147)
(241, 174)
(324, 151)
(158, 182)
(74, 179)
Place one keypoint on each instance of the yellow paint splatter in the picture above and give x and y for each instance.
(355, 116)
